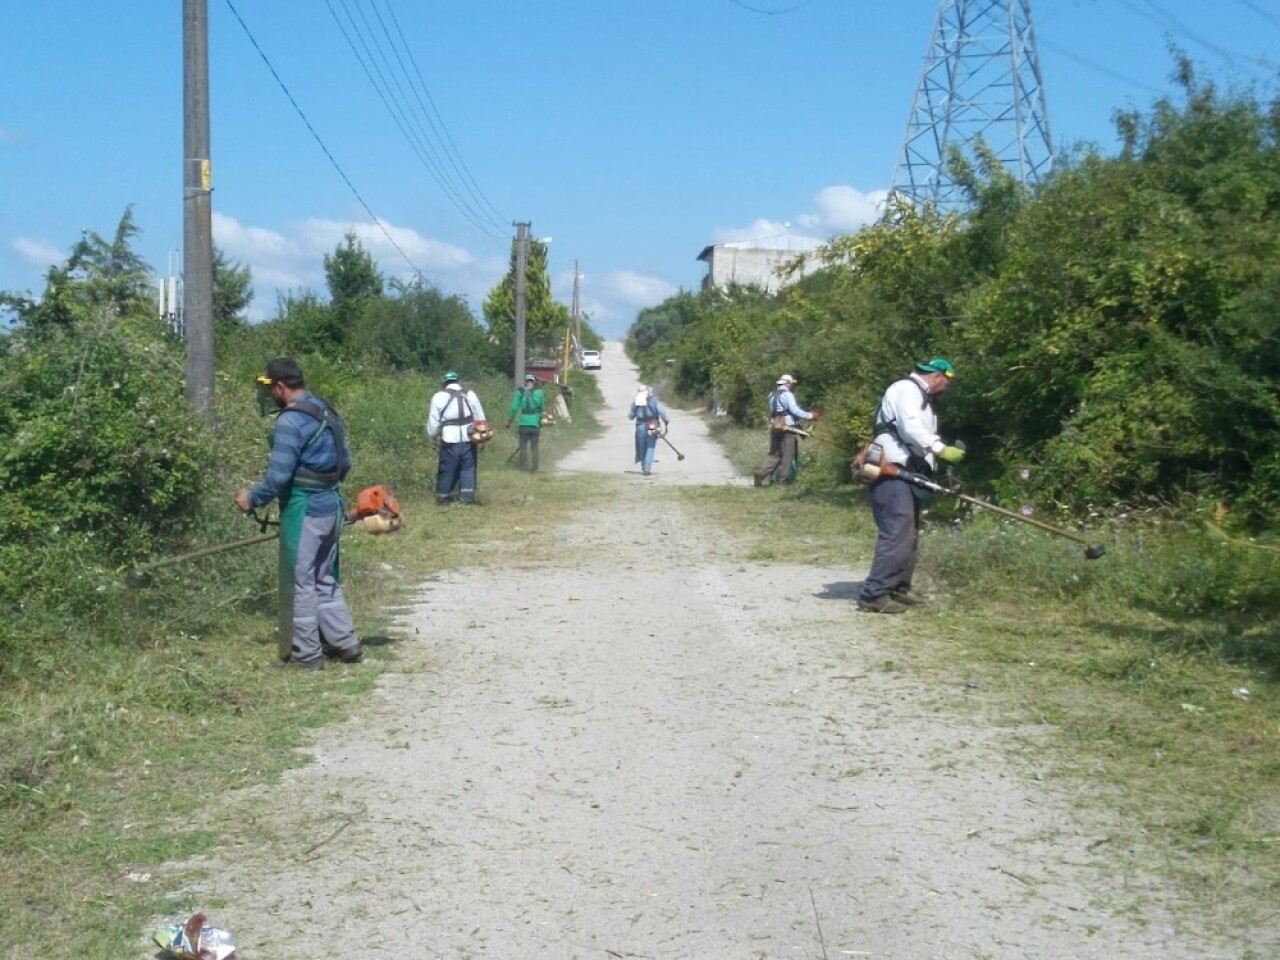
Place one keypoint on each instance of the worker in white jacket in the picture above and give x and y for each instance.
(906, 429)
(452, 419)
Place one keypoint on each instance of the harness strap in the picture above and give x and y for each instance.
(462, 419)
(326, 419)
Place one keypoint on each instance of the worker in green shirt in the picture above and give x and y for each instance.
(528, 404)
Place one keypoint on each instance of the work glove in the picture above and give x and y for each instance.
(951, 454)
(817, 415)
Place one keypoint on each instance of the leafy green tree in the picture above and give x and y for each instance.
(99, 275)
(232, 294)
(419, 328)
(354, 283)
(545, 319)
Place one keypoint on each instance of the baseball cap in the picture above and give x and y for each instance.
(451, 376)
(530, 376)
(938, 365)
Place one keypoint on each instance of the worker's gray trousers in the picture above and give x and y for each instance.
(896, 510)
(321, 618)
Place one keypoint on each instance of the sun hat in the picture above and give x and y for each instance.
(938, 365)
(786, 378)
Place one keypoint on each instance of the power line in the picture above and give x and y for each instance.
(336, 166)
(1099, 67)
(501, 220)
(772, 13)
(382, 87)
(390, 90)
(1265, 14)
(1162, 18)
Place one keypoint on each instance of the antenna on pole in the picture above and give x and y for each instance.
(981, 81)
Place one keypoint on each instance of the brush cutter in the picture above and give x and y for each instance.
(885, 469)
(679, 455)
(141, 576)
(376, 510)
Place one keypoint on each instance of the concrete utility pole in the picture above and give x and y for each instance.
(577, 314)
(522, 263)
(197, 213)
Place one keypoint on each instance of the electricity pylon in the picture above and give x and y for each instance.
(981, 81)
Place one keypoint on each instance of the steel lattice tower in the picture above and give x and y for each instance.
(981, 80)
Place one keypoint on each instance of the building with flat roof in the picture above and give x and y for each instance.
(755, 262)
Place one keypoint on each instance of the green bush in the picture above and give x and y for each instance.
(98, 439)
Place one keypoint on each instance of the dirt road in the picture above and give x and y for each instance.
(700, 758)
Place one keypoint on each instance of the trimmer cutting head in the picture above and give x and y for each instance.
(1094, 552)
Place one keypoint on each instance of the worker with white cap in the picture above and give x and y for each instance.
(652, 420)
(784, 445)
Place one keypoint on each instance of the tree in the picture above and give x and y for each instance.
(419, 328)
(354, 282)
(99, 275)
(545, 320)
(232, 294)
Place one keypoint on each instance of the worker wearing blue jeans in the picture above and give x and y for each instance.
(652, 421)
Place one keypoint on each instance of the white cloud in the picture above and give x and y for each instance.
(843, 210)
(38, 253)
(635, 289)
(294, 259)
(759, 229)
(837, 210)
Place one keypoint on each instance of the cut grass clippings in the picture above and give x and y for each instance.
(1168, 716)
(105, 770)
(110, 748)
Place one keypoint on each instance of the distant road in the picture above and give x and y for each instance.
(614, 450)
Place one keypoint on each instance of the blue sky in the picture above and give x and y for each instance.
(631, 132)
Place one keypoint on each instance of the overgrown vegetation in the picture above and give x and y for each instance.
(1117, 332)
(1118, 340)
(124, 709)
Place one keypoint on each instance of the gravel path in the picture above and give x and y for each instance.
(688, 757)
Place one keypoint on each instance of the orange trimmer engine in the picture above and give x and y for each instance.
(376, 509)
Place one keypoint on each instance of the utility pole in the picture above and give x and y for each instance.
(577, 314)
(197, 214)
(522, 263)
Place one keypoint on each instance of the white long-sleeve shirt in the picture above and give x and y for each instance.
(906, 404)
(452, 403)
(783, 401)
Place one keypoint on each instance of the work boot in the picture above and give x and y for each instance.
(352, 656)
(907, 598)
(882, 604)
(316, 664)
(757, 480)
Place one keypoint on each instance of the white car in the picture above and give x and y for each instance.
(590, 359)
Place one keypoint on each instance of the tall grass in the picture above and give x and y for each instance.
(124, 710)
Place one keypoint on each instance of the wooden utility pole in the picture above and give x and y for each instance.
(522, 263)
(197, 213)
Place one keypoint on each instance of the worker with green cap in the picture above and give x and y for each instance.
(528, 404)
(906, 428)
(309, 459)
(452, 418)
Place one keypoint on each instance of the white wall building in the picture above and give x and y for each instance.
(755, 262)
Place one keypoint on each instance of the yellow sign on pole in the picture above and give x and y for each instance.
(206, 175)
